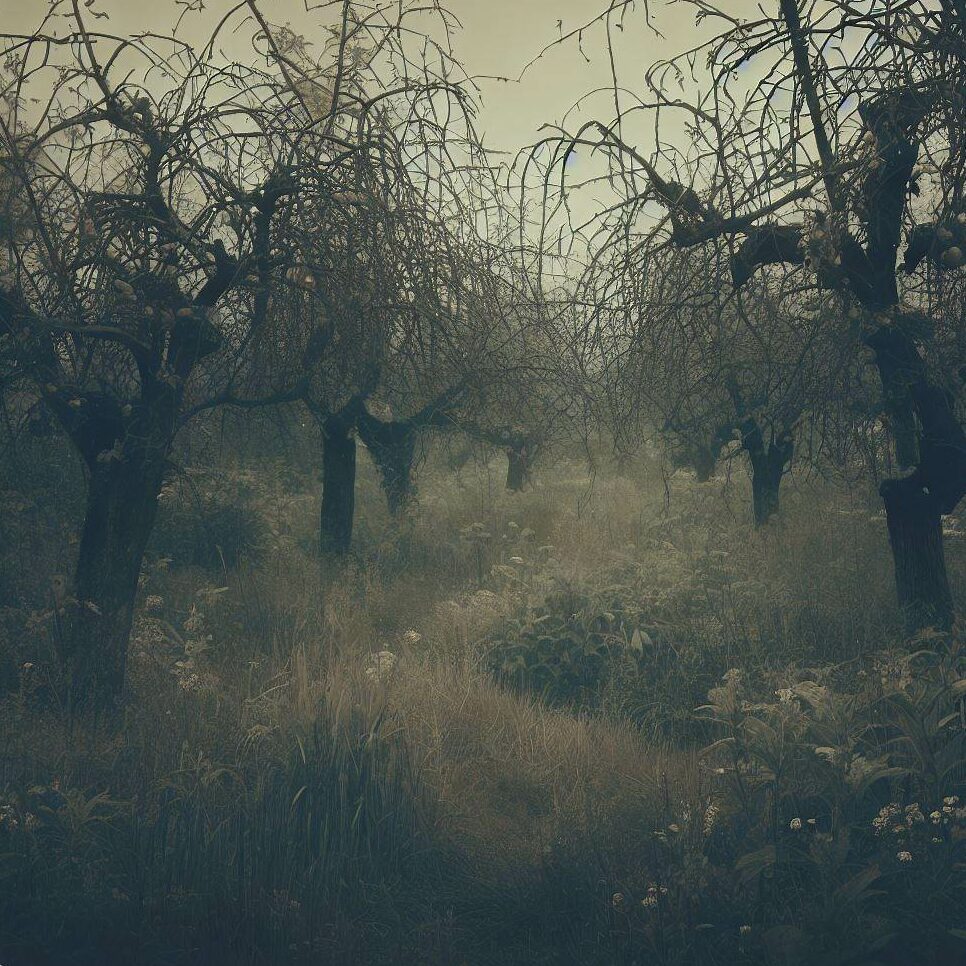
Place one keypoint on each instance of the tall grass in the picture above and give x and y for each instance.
(280, 792)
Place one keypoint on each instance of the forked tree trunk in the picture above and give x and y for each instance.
(916, 538)
(518, 467)
(338, 486)
(392, 446)
(122, 502)
(769, 463)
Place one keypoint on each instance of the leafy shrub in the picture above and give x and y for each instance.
(832, 829)
(567, 648)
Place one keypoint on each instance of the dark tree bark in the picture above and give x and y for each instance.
(121, 508)
(125, 457)
(393, 447)
(916, 538)
(518, 466)
(915, 503)
(338, 485)
(769, 463)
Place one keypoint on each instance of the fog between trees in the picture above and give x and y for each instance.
(318, 410)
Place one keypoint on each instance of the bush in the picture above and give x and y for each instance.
(568, 648)
(832, 828)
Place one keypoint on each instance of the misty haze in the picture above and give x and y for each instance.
(482, 482)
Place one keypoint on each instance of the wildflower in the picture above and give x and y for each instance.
(517, 560)
(382, 666)
(785, 695)
(617, 900)
(27, 667)
(710, 817)
(936, 816)
(152, 603)
(813, 822)
(194, 621)
(937, 841)
(951, 800)
(882, 821)
(653, 895)
(914, 814)
(795, 824)
(189, 681)
(412, 637)
(744, 930)
(673, 827)
(904, 856)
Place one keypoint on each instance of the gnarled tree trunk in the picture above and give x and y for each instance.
(126, 461)
(769, 463)
(916, 537)
(338, 485)
(915, 503)
(121, 508)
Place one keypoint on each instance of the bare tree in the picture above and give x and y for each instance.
(822, 135)
(708, 367)
(165, 206)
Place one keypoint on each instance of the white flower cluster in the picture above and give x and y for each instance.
(653, 895)
(153, 603)
(381, 666)
(710, 817)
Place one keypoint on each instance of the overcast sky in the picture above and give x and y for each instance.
(498, 38)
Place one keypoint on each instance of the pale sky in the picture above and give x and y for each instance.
(498, 38)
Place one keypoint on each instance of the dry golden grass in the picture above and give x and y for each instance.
(514, 777)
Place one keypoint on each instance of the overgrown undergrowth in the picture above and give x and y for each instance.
(598, 722)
